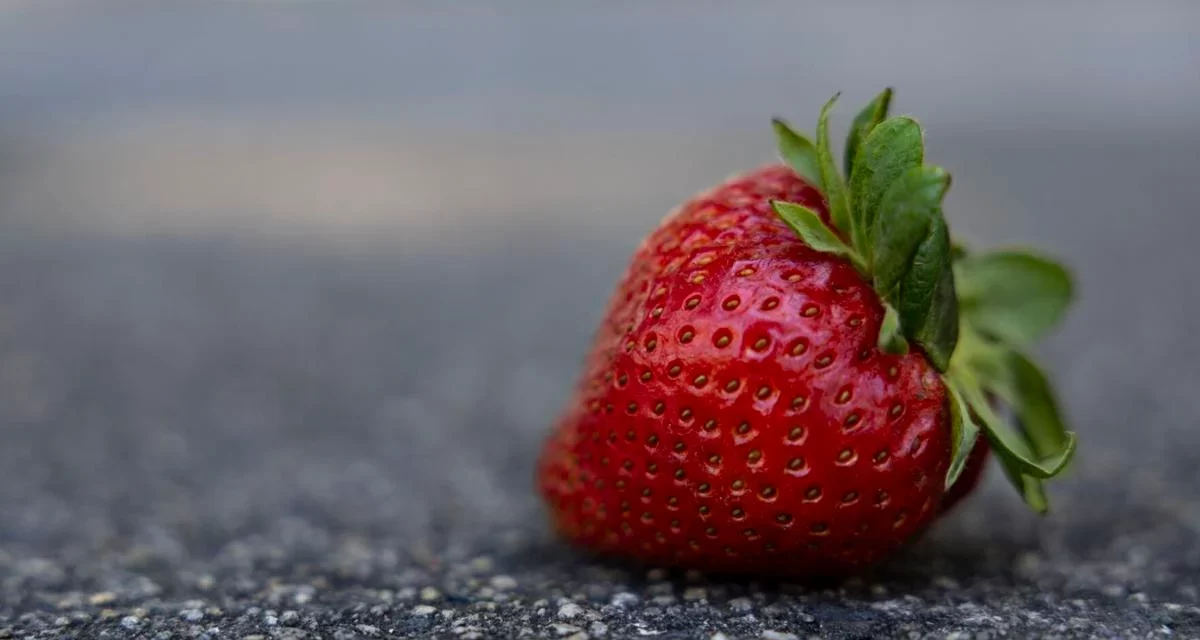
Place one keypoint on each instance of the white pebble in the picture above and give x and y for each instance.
(624, 599)
(569, 610)
(424, 610)
(741, 605)
(504, 583)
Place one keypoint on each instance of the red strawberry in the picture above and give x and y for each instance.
(751, 402)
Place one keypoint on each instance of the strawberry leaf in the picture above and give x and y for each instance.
(798, 152)
(1032, 490)
(912, 267)
(1023, 386)
(892, 148)
(963, 433)
(835, 187)
(1006, 443)
(928, 305)
(864, 122)
(891, 339)
(1014, 296)
(905, 215)
(808, 225)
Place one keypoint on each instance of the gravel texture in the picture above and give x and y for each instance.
(236, 439)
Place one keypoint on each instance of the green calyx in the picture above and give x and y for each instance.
(971, 315)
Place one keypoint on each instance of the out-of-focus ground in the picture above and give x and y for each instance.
(289, 294)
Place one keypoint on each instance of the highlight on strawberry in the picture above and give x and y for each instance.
(800, 369)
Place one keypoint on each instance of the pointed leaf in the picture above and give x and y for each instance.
(891, 340)
(1013, 295)
(1032, 490)
(1022, 385)
(963, 433)
(1007, 444)
(906, 213)
(835, 187)
(912, 268)
(798, 152)
(928, 305)
(892, 148)
(871, 115)
(808, 225)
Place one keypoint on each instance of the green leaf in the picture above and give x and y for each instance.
(1023, 386)
(891, 340)
(798, 152)
(906, 213)
(892, 148)
(912, 267)
(928, 305)
(808, 225)
(1014, 296)
(1032, 490)
(1007, 444)
(963, 433)
(835, 187)
(871, 115)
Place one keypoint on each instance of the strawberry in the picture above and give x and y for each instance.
(796, 367)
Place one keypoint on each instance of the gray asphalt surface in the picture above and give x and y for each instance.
(232, 437)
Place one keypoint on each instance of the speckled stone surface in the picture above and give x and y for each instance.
(238, 439)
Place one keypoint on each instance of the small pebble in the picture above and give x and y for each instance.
(624, 599)
(424, 610)
(569, 610)
(130, 622)
(429, 594)
(503, 583)
(741, 605)
(102, 598)
(771, 634)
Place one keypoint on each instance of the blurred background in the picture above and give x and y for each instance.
(297, 271)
